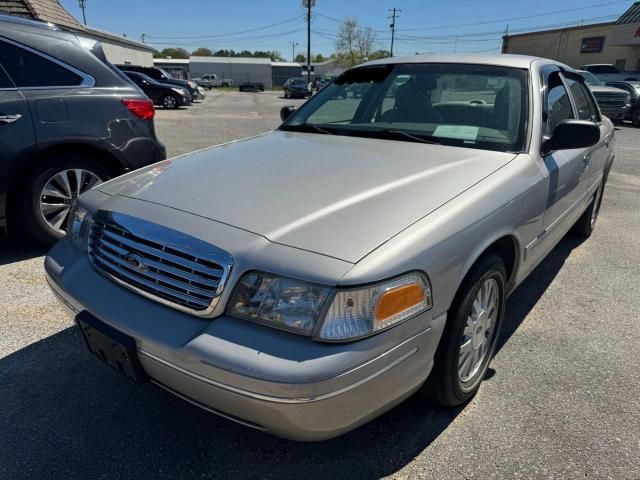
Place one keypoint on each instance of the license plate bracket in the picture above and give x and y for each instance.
(113, 347)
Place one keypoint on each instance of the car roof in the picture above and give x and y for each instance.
(504, 60)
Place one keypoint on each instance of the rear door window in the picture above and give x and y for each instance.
(558, 105)
(28, 69)
(581, 101)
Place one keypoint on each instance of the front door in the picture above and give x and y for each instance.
(568, 169)
(16, 133)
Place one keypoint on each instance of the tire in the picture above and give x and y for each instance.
(38, 211)
(586, 223)
(286, 95)
(170, 101)
(453, 381)
(635, 118)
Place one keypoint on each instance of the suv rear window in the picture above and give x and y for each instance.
(28, 69)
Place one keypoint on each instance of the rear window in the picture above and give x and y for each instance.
(28, 69)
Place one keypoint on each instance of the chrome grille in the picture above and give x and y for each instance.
(164, 264)
(611, 100)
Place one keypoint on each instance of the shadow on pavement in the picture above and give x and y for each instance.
(15, 249)
(65, 415)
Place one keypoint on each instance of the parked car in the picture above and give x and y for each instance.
(633, 89)
(164, 94)
(251, 87)
(296, 88)
(609, 73)
(162, 76)
(211, 80)
(614, 103)
(68, 121)
(311, 278)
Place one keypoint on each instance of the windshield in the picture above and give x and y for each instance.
(591, 79)
(474, 106)
(165, 73)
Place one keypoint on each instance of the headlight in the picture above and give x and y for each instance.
(181, 91)
(193, 84)
(278, 301)
(353, 313)
(359, 312)
(78, 226)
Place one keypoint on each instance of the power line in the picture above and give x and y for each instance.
(502, 20)
(299, 17)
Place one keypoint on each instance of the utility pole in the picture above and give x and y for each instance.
(308, 4)
(394, 14)
(293, 50)
(505, 40)
(83, 6)
(142, 37)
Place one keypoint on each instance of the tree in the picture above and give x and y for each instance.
(202, 52)
(300, 58)
(319, 58)
(379, 54)
(347, 42)
(365, 38)
(172, 52)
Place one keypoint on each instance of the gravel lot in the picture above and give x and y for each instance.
(562, 400)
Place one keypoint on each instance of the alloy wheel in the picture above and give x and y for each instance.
(60, 194)
(479, 330)
(169, 102)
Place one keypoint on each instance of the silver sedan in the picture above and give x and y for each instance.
(306, 280)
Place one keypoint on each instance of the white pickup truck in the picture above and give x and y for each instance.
(610, 73)
(212, 80)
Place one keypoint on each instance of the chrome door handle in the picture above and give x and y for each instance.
(5, 119)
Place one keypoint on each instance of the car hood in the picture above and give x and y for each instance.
(608, 90)
(334, 195)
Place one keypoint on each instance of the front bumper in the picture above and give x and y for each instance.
(615, 113)
(267, 379)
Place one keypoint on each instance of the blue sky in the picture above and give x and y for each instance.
(423, 26)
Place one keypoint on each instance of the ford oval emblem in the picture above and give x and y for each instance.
(136, 262)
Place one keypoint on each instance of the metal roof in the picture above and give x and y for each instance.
(262, 61)
(286, 64)
(175, 61)
(51, 11)
(632, 15)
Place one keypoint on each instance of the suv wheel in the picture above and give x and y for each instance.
(52, 192)
(635, 118)
(470, 335)
(169, 101)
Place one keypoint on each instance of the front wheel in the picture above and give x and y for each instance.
(470, 335)
(169, 101)
(635, 118)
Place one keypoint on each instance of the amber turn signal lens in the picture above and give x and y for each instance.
(399, 299)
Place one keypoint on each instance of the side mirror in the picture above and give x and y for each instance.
(570, 134)
(285, 112)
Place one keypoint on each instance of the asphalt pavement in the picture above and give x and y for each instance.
(561, 401)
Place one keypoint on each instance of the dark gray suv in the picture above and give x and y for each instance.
(68, 121)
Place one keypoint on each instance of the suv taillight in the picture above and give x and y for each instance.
(142, 108)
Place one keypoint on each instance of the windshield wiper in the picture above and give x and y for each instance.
(306, 127)
(392, 134)
(417, 137)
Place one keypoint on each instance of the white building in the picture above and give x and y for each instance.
(239, 69)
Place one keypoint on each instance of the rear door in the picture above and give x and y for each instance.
(599, 154)
(16, 129)
(568, 169)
